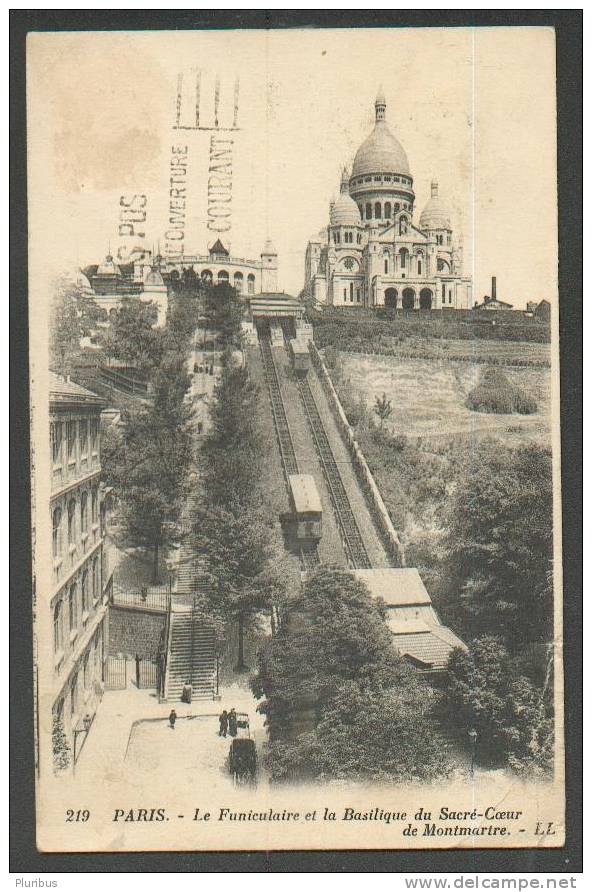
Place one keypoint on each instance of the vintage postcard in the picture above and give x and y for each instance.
(295, 416)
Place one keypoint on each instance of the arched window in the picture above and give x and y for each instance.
(84, 592)
(251, 283)
(359, 238)
(222, 277)
(95, 579)
(206, 276)
(377, 210)
(56, 537)
(83, 436)
(397, 207)
(238, 283)
(84, 512)
(351, 292)
(56, 442)
(71, 521)
(336, 237)
(368, 210)
(73, 608)
(386, 266)
(387, 210)
(403, 257)
(57, 628)
(419, 267)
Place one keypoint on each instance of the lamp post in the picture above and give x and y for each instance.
(473, 739)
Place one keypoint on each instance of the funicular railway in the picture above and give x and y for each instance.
(352, 538)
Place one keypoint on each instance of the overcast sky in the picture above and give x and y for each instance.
(475, 109)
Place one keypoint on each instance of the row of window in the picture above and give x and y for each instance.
(79, 512)
(90, 673)
(74, 606)
(381, 211)
(348, 238)
(351, 294)
(385, 178)
(223, 278)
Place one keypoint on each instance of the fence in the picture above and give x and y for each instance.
(147, 673)
(124, 382)
(363, 472)
(147, 598)
(116, 674)
(450, 357)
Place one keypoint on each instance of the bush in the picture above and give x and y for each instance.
(495, 393)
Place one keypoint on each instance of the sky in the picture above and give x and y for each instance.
(474, 108)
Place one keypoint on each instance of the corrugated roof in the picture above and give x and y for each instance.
(396, 586)
(428, 644)
(304, 493)
(62, 389)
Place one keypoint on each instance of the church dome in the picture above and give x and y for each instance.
(153, 277)
(381, 152)
(435, 214)
(108, 267)
(345, 212)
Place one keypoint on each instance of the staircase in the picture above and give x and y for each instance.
(191, 657)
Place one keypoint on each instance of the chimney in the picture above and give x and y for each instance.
(493, 296)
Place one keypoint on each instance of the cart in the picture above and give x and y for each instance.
(242, 755)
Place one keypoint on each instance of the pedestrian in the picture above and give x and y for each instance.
(187, 692)
(172, 719)
(137, 670)
(232, 722)
(223, 719)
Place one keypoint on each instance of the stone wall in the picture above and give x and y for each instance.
(363, 472)
(133, 630)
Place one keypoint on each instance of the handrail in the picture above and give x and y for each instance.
(167, 650)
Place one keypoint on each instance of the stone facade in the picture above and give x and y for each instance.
(78, 601)
(135, 631)
(372, 253)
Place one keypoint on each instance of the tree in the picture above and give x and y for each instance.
(500, 544)
(60, 745)
(238, 552)
(332, 681)
(146, 459)
(131, 337)
(383, 408)
(65, 329)
(513, 716)
(225, 311)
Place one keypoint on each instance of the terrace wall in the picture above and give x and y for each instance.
(133, 630)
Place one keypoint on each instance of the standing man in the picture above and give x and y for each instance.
(137, 671)
(172, 719)
(223, 719)
(232, 723)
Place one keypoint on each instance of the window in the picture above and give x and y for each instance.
(403, 257)
(222, 277)
(74, 695)
(95, 579)
(94, 434)
(85, 672)
(83, 426)
(368, 211)
(56, 536)
(351, 292)
(56, 442)
(443, 292)
(71, 435)
(358, 295)
(386, 265)
(377, 210)
(359, 238)
(84, 513)
(348, 263)
(71, 521)
(73, 608)
(419, 267)
(344, 294)
(336, 238)
(238, 283)
(251, 283)
(84, 592)
(57, 628)
(397, 207)
(94, 499)
(387, 210)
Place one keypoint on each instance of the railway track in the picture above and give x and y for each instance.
(309, 557)
(354, 544)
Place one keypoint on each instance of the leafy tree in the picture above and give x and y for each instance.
(225, 311)
(500, 544)
(496, 393)
(146, 459)
(65, 328)
(239, 550)
(512, 715)
(131, 337)
(383, 408)
(331, 682)
(61, 747)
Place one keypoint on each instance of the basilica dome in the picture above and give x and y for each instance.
(381, 152)
(108, 267)
(345, 212)
(435, 214)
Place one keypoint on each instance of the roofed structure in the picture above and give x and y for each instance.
(304, 494)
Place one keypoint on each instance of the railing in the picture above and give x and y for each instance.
(156, 598)
(108, 591)
(124, 382)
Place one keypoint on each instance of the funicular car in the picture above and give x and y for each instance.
(306, 516)
(299, 356)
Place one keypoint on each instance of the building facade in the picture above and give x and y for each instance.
(372, 253)
(149, 278)
(79, 599)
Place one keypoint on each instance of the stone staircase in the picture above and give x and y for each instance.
(191, 658)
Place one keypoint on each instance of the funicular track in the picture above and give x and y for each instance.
(309, 557)
(354, 544)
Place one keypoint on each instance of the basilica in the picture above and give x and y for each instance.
(372, 253)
